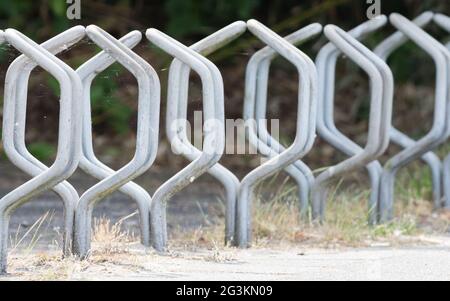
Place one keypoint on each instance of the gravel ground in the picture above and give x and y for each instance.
(430, 261)
(419, 263)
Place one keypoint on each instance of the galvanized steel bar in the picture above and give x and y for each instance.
(384, 50)
(444, 22)
(326, 64)
(307, 102)
(214, 132)
(146, 137)
(438, 131)
(380, 112)
(69, 146)
(177, 105)
(14, 136)
(263, 59)
(315, 107)
(89, 163)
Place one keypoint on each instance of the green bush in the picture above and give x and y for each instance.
(198, 16)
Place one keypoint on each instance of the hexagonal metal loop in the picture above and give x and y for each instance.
(260, 64)
(69, 147)
(444, 22)
(146, 137)
(437, 134)
(177, 105)
(326, 128)
(14, 142)
(306, 120)
(381, 81)
(89, 162)
(384, 50)
(214, 133)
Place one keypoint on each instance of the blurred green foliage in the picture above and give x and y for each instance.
(42, 151)
(106, 105)
(198, 16)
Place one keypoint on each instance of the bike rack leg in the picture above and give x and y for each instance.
(69, 149)
(326, 64)
(304, 176)
(384, 50)
(444, 22)
(437, 133)
(307, 102)
(146, 137)
(89, 163)
(380, 112)
(446, 174)
(214, 130)
(14, 138)
(177, 106)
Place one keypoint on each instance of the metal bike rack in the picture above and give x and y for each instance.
(89, 163)
(14, 136)
(214, 132)
(177, 105)
(69, 148)
(380, 113)
(315, 108)
(438, 131)
(306, 120)
(326, 64)
(384, 50)
(444, 22)
(146, 137)
(256, 110)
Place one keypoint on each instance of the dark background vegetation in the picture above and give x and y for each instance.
(114, 92)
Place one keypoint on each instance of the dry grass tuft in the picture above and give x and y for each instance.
(112, 249)
(276, 220)
(109, 238)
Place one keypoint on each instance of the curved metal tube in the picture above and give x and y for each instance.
(214, 133)
(268, 145)
(380, 112)
(177, 105)
(14, 137)
(146, 137)
(89, 162)
(69, 148)
(326, 64)
(384, 50)
(306, 107)
(438, 131)
(444, 22)
(388, 88)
